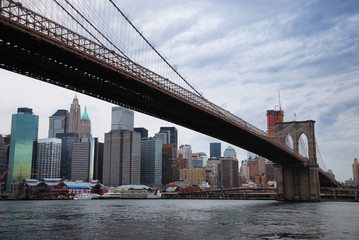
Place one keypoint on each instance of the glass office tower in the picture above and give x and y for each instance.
(151, 162)
(48, 158)
(58, 122)
(24, 128)
(67, 139)
(215, 150)
(173, 136)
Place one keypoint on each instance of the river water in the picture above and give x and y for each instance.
(177, 219)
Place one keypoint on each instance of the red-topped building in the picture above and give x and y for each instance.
(273, 117)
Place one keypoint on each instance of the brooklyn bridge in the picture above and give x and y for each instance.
(68, 50)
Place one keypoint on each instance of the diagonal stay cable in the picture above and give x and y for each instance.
(154, 49)
(97, 30)
(92, 35)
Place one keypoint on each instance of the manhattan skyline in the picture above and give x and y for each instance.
(238, 54)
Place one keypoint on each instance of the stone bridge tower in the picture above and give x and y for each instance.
(298, 182)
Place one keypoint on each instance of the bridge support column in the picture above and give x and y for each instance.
(280, 185)
(298, 183)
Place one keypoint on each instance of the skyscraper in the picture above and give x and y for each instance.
(122, 158)
(48, 158)
(204, 157)
(80, 164)
(122, 150)
(99, 163)
(253, 169)
(67, 139)
(212, 171)
(85, 125)
(229, 152)
(215, 150)
(273, 117)
(143, 131)
(173, 134)
(85, 158)
(163, 137)
(122, 119)
(182, 162)
(355, 166)
(24, 128)
(228, 172)
(3, 159)
(75, 117)
(58, 122)
(186, 151)
(151, 162)
(170, 171)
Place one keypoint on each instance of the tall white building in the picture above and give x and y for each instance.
(48, 158)
(122, 119)
(186, 151)
(164, 137)
(204, 158)
(122, 150)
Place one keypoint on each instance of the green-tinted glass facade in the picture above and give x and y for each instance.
(24, 128)
(151, 162)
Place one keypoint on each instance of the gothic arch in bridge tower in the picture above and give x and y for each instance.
(288, 141)
(298, 182)
(295, 130)
(303, 145)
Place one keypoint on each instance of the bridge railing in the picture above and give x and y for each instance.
(15, 14)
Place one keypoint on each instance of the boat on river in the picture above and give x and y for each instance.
(86, 196)
(111, 195)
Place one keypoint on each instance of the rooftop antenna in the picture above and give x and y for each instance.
(280, 106)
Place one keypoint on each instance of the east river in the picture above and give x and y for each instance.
(177, 219)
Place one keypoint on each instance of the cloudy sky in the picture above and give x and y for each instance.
(239, 54)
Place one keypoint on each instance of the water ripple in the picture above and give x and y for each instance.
(177, 219)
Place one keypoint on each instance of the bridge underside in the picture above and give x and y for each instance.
(29, 55)
(26, 53)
